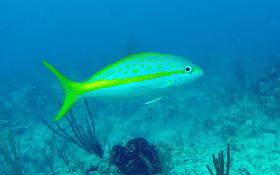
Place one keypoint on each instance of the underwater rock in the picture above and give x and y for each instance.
(138, 157)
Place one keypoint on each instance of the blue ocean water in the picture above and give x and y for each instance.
(235, 102)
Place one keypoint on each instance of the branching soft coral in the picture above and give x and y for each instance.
(10, 155)
(219, 163)
(81, 135)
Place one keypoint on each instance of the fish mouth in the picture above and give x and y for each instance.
(198, 72)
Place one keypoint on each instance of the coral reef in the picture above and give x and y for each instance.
(185, 128)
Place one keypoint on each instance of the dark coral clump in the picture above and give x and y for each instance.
(138, 157)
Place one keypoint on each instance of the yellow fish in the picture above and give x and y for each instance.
(146, 76)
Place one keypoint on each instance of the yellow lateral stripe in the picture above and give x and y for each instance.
(115, 82)
(123, 60)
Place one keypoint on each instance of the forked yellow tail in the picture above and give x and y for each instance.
(71, 91)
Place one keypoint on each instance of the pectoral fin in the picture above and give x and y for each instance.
(153, 101)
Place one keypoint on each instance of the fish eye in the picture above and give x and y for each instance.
(188, 69)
